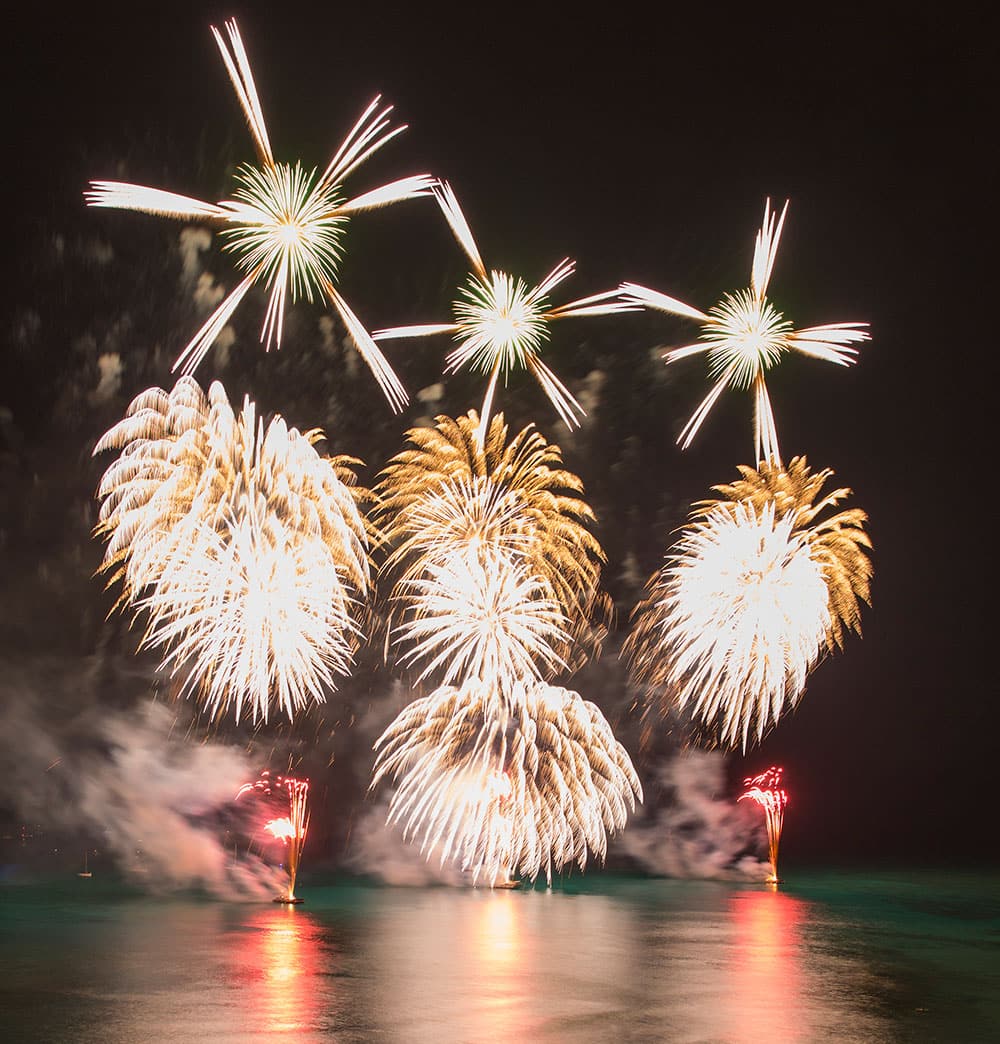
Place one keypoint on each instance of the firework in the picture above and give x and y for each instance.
(745, 335)
(506, 788)
(753, 593)
(291, 829)
(767, 791)
(501, 324)
(448, 498)
(285, 224)
(481, 619)
(244, 547)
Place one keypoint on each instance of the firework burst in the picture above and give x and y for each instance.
(745, 336)
(507, 789)
(501, 324)
(290, 829)
(767, 791)
(752, 595)
(285, 224)
(244, 547)
(448, 498)
(481, 619)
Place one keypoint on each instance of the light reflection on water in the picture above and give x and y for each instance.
(629, 961)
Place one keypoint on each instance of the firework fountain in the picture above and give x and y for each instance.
(767, 791)
(290, 829)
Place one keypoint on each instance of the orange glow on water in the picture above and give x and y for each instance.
(286, 945)
(764, 974)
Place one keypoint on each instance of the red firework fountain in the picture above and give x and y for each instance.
(767, 791)
(292, 828)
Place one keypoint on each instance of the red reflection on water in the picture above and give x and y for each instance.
(765, 972)
(285, 945)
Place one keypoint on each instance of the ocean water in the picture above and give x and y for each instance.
(603, 958)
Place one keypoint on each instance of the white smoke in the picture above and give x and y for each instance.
(695, 830)
(130, 777)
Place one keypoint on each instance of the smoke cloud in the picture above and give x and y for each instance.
(153, 796)
(688, 828)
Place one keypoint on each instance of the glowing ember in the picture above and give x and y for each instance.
(767, 791)
(292, 828)
(280, 828)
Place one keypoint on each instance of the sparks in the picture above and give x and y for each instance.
(285, 224)
(446, 498)
(507, 790)
(755, 591)
(745, 336)
(501, 324)
(245, 548)
(290, 829)
(767, 791)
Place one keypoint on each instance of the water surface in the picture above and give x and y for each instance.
(838, 957)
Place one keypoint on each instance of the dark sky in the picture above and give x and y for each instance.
(643, 144)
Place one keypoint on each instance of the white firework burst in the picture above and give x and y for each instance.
(481, 616)
(736, 619)
(745, 336)
(285, 223)
(507, 791)
(501, 323)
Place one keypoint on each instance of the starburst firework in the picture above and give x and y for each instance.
(507, 789)
(448, 498)
(285, 223)
(246, 550)
(745, 336)
(753, 593)
(501, 324)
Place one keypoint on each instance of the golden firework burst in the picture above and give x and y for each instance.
(446, 497)
(754, 592)
(245, 549)
(507, 790)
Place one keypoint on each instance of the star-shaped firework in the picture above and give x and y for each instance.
(745, 335)
(501, 324)
(285, 223)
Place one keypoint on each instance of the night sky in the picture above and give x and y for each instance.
(643, 145)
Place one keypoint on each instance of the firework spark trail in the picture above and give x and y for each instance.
(285, 224)
(506, 789)
(767, 791)
(751, 596)
(244, 547)
(745, 336)
(446, 498)
(291, 829)
(501, 324)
